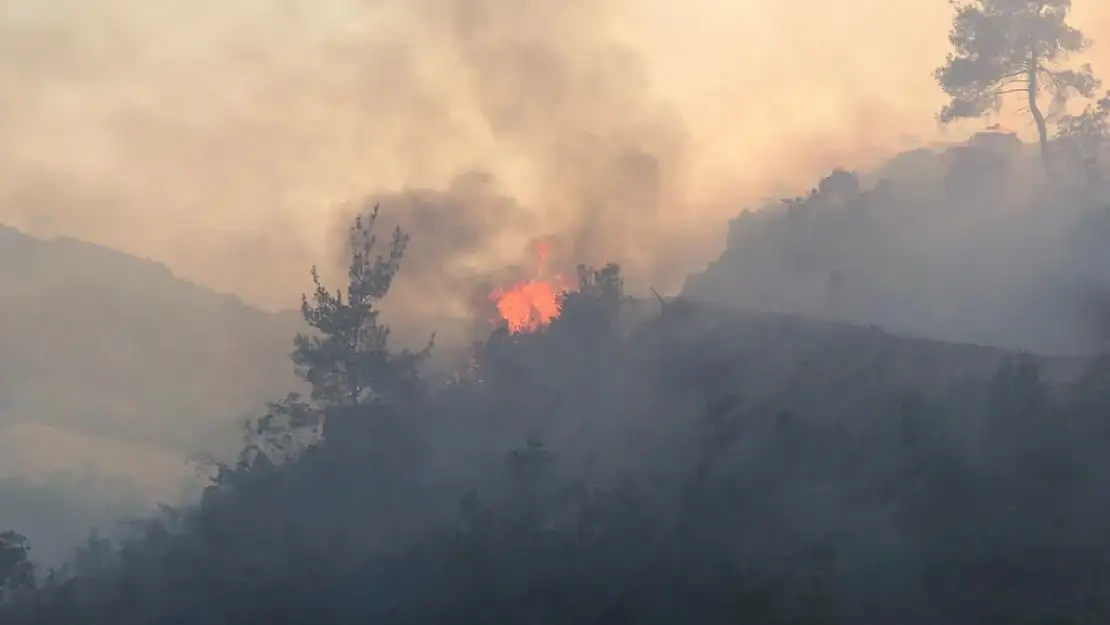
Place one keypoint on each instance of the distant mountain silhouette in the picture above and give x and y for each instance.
(115, 346)
(112, 373)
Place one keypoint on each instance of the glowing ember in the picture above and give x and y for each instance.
(531, 305)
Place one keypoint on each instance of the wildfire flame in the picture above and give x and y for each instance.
(530, 305)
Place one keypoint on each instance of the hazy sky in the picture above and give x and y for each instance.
(229, 137)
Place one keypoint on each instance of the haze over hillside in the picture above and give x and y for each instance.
(960, 244)
(112, 362)
(832, 423)
(113, 373)
(93, 336)
(228, 139)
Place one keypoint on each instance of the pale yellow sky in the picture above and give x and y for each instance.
(221, 135)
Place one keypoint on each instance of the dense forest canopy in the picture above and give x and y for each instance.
(962, 243)
(598, 470)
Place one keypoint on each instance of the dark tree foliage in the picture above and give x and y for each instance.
(1002, 47)
(596, 306)
(1084, 137)
(347, 360)
(359, 385)
(16, 570)
(590, 475)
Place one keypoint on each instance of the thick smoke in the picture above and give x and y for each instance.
(594, 155)
(587, 156)
(230, 139)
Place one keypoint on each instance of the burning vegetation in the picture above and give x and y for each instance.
(694, 466)
(532, 304)
(594, 471)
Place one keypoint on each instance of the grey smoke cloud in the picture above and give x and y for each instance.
(594, 155)
(231, 139)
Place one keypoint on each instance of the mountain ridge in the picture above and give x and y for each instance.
(122, 335)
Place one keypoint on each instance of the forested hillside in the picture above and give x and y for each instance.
(113, 373)
(701, 465)
(636, 424)
(886, 402)
(958, 243)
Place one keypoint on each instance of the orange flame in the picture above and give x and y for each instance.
(530, 305)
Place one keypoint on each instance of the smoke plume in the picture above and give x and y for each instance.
(232, 140)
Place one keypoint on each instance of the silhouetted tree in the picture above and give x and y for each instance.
(1012, 46)
(840, 187)
(347, 361)
(16, 570)
(597, 303)
(1084, 136)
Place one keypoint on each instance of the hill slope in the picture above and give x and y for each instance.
(586, 475)
(105, 344)
(783, 358)
(963, 244)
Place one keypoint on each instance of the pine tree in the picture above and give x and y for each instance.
(347, 360)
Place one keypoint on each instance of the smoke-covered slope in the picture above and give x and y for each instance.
(965, 243)
(828, 370)
(115, 371)
(705, 465)
(106, 343)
